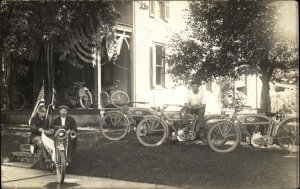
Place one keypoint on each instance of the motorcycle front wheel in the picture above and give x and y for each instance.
(61, 166)
(287, 135)
(223, 136)
(151, 132)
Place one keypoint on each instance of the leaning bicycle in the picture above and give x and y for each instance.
(255, 129)
(78, 94)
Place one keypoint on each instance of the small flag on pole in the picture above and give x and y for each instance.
(40, 102)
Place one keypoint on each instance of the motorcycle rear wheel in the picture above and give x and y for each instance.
(61, 166)
(114, 126)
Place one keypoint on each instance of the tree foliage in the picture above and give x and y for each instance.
(231, 38)
(33, 22)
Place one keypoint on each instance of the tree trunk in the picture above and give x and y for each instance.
(265, 100)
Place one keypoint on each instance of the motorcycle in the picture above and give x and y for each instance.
(58, 150)
(155, 129)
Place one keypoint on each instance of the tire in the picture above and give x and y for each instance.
(72, 96)
(104, 99)
(119, 99)
(61, 168)
(209, 121)
(151, 132)
(287, 135)
(114, 126)
(18, 101)
(223, 143)
(86, 100)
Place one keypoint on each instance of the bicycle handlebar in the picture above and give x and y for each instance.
(137, 102)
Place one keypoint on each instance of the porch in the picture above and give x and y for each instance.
(83, 117)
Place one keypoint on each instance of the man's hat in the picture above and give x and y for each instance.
(63, 107)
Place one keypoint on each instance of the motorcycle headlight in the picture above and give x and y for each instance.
(61, 133)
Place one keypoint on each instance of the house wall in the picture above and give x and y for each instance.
(147, 31)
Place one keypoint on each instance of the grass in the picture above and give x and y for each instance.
(183, 164)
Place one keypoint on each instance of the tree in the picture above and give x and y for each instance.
(231, 38)
(27, 25)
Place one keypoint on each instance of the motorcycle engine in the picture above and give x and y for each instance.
(261, 140)
(184, 135)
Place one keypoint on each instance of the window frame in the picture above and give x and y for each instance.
(163, 14)
(154, 66)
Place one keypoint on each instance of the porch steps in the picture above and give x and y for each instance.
(25, 155)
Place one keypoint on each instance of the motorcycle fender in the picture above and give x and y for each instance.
(61, 147)
(164, 122)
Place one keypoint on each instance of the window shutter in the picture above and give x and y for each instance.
(163, 79)
(152, 8)
(152, 66)
(167, 10)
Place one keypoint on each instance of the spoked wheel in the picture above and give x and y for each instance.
(209, 121)
(151, 132)
(18, 100)
(72, 96)
(85, 99)
(114, 126)
(104, 99)
(61, 166)
(223, 136)
(119, 99)
(287, 135)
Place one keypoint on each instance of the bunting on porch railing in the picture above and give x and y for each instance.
(84, 45)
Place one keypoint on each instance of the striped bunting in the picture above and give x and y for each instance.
(84, 46)
(49, 145)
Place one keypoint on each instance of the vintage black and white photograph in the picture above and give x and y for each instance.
(157, 94)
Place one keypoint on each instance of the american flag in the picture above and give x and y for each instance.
(39, 102)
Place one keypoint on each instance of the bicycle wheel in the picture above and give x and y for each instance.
(61, 166)
(114, 126)
(86, 99)
(18, 100)
(104, 99)
(209, 121)
(119, 99)
(151, 132)
(223, 136)
(72, 96)
(287, 135)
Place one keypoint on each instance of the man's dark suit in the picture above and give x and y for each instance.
(69, 124)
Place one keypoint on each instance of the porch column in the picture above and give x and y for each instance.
(97, 79)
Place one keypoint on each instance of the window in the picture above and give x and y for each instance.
(152, 8)
(159, 9)
(158, 66)
(208, 86)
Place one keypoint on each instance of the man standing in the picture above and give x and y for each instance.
(196, 102)
(69, 124)
(37, 126)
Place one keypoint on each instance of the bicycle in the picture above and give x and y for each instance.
(255, 129)
(117, 122)
(78, 94)
(153, 130)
